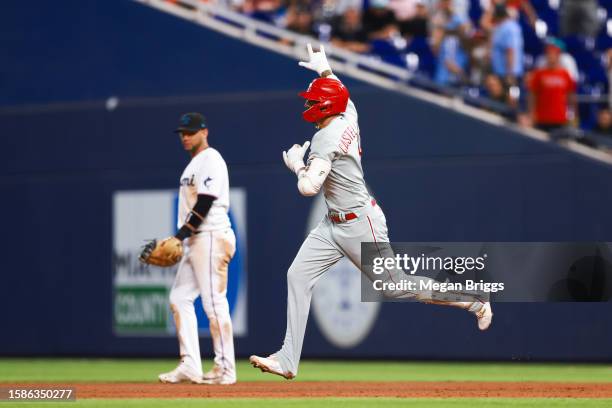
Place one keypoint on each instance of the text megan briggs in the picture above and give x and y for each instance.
(431, 285)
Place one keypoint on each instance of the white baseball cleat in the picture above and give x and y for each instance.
(217, 375)
(270, 365)
(215, 372)
(181, 374)
(223, 380)
(484, 316)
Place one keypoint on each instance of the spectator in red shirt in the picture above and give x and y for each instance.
(552, 90)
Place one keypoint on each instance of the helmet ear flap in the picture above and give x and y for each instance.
(312, 113)
(318, 111)
(310, 103)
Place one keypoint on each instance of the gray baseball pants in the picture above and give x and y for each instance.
(324, 246)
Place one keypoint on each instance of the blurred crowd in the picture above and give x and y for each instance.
(529, 57)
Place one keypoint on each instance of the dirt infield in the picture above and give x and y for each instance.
(299, 389)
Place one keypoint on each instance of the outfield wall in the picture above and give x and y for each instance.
(438, 175)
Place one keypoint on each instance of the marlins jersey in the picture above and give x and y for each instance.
(340, 144)
(205, 174)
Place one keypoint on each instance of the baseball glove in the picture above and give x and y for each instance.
(167, 252)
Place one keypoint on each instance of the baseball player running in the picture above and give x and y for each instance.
(209, 244)
(334, 164)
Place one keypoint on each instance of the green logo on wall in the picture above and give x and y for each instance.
(141, 309)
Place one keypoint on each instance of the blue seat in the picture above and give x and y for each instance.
(266, 16)
(596, 74)
(587, 112)
(475, 12)
(427, 60)
(387, 51)
(550, 17)
(603, 41)
(540, 5)
(532, 44)
(575, 44)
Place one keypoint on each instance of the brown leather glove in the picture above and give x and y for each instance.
(167, 252)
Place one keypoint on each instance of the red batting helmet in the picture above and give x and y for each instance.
(331, 99)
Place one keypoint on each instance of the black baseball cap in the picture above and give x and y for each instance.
(500, 11)
(191, 122)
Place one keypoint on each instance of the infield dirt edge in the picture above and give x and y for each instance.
(341, 389)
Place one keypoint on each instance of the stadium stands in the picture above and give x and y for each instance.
(403, 33)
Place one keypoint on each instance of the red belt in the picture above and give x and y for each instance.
(338, 218)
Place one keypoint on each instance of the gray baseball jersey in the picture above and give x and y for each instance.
(340, 144)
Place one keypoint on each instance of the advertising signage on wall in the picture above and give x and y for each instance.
(140, 292)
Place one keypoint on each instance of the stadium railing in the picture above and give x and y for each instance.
(367, 68)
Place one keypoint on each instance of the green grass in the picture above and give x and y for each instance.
(146, 370)
(329, 402)
(127, 370)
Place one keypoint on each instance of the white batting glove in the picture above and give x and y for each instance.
(294, 158)
(317, 60)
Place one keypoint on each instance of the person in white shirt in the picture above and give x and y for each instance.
(209, 245)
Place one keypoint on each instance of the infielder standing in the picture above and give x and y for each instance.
(334, 164)
(209, 245)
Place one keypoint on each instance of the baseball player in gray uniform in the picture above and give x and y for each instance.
(334, 164)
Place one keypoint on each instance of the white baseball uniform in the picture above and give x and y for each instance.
(204, 267)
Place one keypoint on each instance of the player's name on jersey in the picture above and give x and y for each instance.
(412, 285)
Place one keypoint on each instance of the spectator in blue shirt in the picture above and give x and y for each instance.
(506, 47)
(448, 38)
